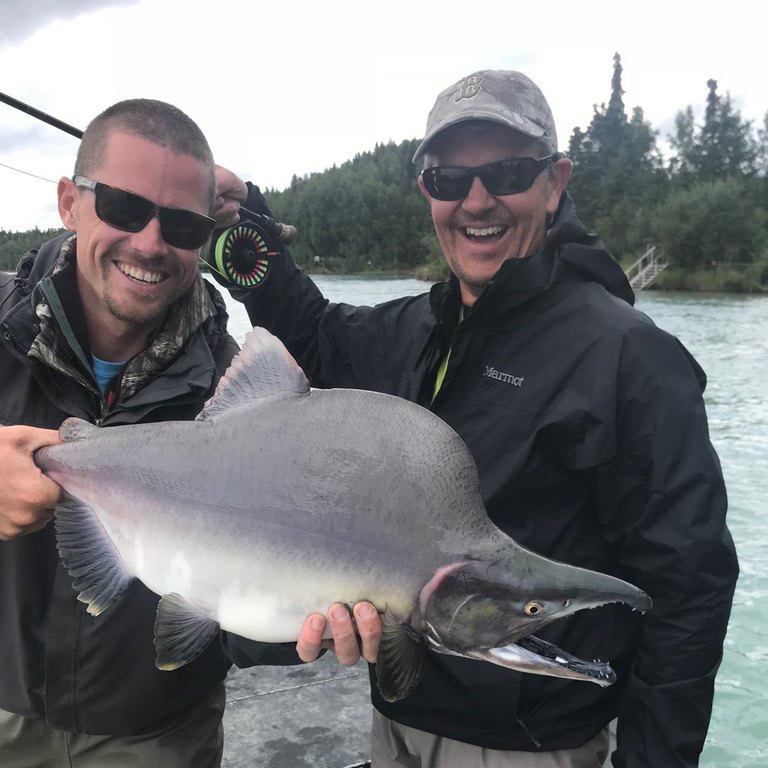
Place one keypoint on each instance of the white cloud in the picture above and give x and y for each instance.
(32, 15)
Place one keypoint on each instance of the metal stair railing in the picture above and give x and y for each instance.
(647, 268)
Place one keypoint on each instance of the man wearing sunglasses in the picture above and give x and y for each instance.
(111, 323)
(588, 428)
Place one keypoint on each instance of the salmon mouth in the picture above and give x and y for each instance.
(547, 656)
(533, 655)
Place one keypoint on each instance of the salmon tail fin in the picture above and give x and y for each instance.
(98, 574)
(401, 658)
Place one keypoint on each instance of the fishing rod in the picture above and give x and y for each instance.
(239, 256)
(56, 123)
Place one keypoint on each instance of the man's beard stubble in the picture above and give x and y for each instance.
(151, 311)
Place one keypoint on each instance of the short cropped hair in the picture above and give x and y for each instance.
(155, 121)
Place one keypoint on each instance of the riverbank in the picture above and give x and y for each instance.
(741, 279)
(738, 279)
(716, 278)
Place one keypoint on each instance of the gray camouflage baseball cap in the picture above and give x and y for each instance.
(499, 96)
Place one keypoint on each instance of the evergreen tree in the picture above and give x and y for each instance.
(683, 143)
(723, 147)
(617, 164)
(615, 111)
(762, 158)
(712, 224)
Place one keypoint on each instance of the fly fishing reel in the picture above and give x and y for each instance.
(242, 256)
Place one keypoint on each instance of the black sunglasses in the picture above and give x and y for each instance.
(504, 177)
(131, 213)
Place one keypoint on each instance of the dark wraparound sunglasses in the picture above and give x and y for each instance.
(504, 177)
(131, 213)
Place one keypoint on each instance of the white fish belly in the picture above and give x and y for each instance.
(260, 593)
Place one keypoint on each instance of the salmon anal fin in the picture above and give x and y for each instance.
(182, 632)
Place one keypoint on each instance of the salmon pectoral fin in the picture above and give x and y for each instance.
(182, 632)
(98, 574)
(400, 660)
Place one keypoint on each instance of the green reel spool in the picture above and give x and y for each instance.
(241, 256)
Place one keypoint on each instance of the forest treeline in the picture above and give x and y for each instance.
(705, 201)
(705, 204)
(13, 245)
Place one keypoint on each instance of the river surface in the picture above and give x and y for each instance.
(728, 335)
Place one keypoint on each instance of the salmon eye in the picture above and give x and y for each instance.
(533, 608)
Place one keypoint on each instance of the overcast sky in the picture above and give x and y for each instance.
(292, 87)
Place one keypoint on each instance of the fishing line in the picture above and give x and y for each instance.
(27, 173)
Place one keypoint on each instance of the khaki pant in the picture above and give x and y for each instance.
(398, 746)
(194, 740)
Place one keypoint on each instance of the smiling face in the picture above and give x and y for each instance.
(481, 231)
(127, 280)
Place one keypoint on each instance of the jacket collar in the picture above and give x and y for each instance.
(48, 324)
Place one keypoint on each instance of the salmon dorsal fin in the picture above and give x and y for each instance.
(400, 660)
(182, 632)
(263, 368)
(98, 574)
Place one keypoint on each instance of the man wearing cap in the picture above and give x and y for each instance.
(588, 428)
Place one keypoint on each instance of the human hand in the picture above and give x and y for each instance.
(27, 496)
(230, 192)
(351, 640)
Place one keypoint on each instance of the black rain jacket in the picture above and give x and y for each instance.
(589, 431)
(77, 672)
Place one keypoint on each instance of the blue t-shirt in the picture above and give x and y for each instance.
(104, 372)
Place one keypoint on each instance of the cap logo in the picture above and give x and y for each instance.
(469, 87)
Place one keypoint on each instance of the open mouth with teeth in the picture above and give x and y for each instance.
(484, 234)
(533, 655)
(138, 274)
(530, 654)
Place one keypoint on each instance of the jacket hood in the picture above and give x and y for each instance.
(585, 252)
(43, 316)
